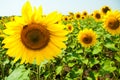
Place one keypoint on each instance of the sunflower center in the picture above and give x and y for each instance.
(35, 36)
(113, 23)
(69, 27)
(87, 39)
(66, 19)
(85, 14)
(78, 16)
(97, 16)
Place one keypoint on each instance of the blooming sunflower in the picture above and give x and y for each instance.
(33, 37)
(84, 14)
(65, 18)
(87, 37)
(112, 22)
(105, 9)
(97, 15)
(69, 27)
(77, 16)
(11, 18)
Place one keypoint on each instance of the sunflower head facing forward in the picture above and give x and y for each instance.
(77, 16)
(87, 37)
(70, 27)
(34, 37)
(97, 15)
(84, 14)
(112, 22)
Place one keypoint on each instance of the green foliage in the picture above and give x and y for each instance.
(99, 62)
(20, 73)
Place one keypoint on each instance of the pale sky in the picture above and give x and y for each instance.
(13, 7)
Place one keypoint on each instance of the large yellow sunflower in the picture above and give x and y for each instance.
(87, 37)
(112, 22)
(33, 37)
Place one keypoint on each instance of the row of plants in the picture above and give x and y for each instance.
(92, 50)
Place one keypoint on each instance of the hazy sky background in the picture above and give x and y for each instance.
(13, 7)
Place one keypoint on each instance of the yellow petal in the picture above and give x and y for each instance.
(59, 33)
(59, 38)
(57, 43)
(19, 52)
(39, 59)
(54, 48)
(27, 11)
(38, 16)
(55, 27)
(53, 17)
(23, 59)
(47, 53)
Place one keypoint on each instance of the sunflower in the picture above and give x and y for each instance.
(71, 13)
(87, 37)
(84, 14)
(34, 38)
(11, 18)
(83, 17)
(105, 9)
(77, 16)
(112, 22)
(97, 15)
(69, 27)
(65, 18)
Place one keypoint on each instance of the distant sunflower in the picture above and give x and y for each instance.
(12, 18)
(77, 16)
(87, 37)
(65, 18)
(71, 13)
(71, 16)
(97, 15)
(105, 9)
(69, 27)
(83, 17)
(112, 22)
(85, 14)
(33, 37)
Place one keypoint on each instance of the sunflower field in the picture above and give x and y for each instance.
(76, 46)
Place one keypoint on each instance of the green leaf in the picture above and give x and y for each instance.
(19, 73)
(6, 61)
(85, 61)
(108, 66)
(93, 61)
(71, 64)
(79, 51)
(111, 46)
(97, 50)
(117, 57)
(59, 69)
(79, 71)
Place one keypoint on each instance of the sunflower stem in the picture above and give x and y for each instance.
(119, 42)
(2, 67)
(38, 72)
(82, 66)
